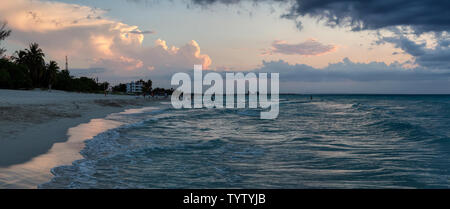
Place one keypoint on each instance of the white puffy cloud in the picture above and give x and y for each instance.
(92, 40)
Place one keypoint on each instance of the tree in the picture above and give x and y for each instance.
(104, 85)
(148, 86)
(27, 69)
(5, 78)
(120, 88)
(14, 76)
(4, 33)
(51, 72)
(33, 59)
(64, 81)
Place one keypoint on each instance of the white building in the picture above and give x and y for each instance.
(134, 87)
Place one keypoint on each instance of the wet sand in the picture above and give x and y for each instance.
(32, 122)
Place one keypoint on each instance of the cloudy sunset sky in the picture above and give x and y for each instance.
(324, 46)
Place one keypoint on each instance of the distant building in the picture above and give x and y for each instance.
(134, 87)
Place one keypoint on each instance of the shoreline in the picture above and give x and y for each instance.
(33, 123)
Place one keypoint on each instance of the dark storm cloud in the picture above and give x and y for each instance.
(438, 58)
(422, 15)
(418, 15)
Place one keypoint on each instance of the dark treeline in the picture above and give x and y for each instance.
(27, 69)
(161, 91)
(146, 88)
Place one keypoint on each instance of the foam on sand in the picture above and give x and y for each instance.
(35, 135)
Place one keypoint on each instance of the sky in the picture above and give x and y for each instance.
(321, 46)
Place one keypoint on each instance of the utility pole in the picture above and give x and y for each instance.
(67, 64)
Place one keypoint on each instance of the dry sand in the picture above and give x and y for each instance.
(31, 122)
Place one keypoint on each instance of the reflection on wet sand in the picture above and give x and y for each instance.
(37, 170)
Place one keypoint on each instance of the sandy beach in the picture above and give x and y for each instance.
(32, 122)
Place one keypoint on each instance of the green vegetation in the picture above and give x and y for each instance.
(161, 91)
(27, 69)
(4, 33)
(146, 88)
(120, 88)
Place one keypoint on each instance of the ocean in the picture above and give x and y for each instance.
(331, 141)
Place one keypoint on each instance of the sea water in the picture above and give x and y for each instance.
(331, 141)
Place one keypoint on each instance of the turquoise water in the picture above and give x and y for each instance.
(333, 141)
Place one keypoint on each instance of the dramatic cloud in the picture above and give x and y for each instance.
(93, 40)
(436, 58)
(351, 71)
(418, 16)
(351, 77)
(367, 14)
(311, 47)
(160, 57)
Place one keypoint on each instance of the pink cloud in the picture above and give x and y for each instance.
(91, 39)
(310, 47)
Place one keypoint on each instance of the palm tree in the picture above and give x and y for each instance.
(4, 32)
(147, 86)
(51, 71)
(36, 56)
(33, 58)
